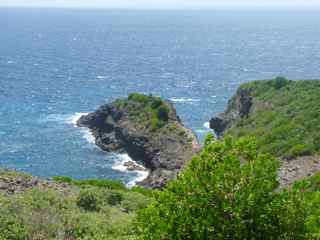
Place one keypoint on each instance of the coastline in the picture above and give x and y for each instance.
(123, 159)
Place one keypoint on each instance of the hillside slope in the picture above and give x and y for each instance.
(284, 117)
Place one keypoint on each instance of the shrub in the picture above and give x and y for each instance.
(101, 183)
(156, 124)
(300, 150)
(226, 192)
(156, 102)
(140, 98)
(134, 201)
(11, 228)
(89, 200)
(114, 197)
(163, 113)
(280, 82)
(62, 179)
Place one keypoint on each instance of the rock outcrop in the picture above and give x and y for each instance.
(238, 107)
(148, 130)
(12, 182)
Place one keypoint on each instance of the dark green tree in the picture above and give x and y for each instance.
(228, 191)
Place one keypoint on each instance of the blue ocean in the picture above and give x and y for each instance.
(56, 64)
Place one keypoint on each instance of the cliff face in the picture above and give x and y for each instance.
(149, 130)
(238, 108)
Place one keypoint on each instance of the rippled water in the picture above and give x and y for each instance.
(56, 64)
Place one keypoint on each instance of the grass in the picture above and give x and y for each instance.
(285, 118)
(92, 209)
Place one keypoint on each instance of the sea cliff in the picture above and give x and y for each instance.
(149, 130)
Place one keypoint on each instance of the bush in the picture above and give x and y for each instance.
(156, 124)
(101, 183)
(300, 150)
(114, 197)
(134, 201)
(140, 98)
(280, 82)
(163, 113)
(156, 102)
(63, 179)
(89, 200)
(11, 228)
(226, 192)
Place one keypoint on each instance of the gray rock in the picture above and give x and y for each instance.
(120, 128)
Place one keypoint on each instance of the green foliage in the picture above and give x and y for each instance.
(114, 197)
(300, 150)
(226, 192)
(140, 98)
(63, 179)
(280, 82)
(163, 113)
(89, 200)
(144, 191)
(148, 111)
(85, 212)
(156, 123)
(102, 183)
(285, 117)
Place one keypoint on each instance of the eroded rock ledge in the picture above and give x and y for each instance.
(149, 130)
(239, 107)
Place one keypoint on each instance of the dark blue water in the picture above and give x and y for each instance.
(56, 63)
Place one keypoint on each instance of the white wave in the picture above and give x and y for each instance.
(141, 176)
(64, 118)
(206, 125)
(10, 62)
(181, 100)
(101, 77)
(119, 165)
(72, 119)
(88, 136)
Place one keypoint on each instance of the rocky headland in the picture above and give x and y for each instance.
(149, 130)
(284, 117)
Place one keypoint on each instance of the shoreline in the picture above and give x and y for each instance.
(123, 158)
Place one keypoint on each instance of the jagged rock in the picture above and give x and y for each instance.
(132, 166)
(238, 107)
(149, 130)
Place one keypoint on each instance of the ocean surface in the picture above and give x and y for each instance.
(58, 64)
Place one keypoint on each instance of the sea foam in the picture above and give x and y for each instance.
(87, 134)
(206, 125)
(182, 100)
(119, 166)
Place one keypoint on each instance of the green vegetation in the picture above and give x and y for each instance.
(285, 118)
(148, 109)
(229, 190)
(226, 192)
(102, 183)
(96, 210)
